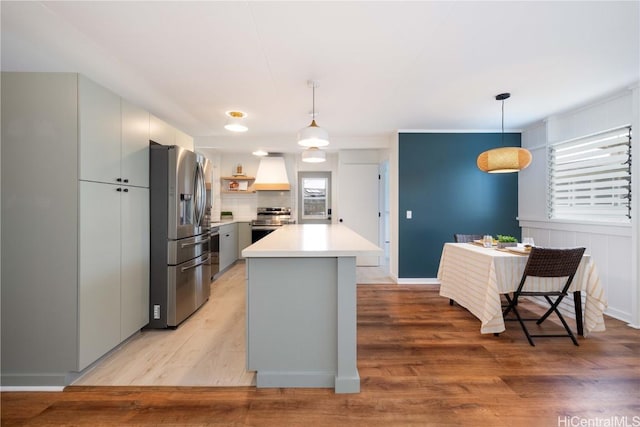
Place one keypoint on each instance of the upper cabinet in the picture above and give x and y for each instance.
(100, 129)
(165, 134)
(135, 145)
(161, 132)
(184, 140)
(114, 137)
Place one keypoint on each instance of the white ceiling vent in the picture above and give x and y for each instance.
(272, 175)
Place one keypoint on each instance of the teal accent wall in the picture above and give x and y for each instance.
(447, 194)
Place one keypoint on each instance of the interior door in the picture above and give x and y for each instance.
(358, 204)
(314, 197)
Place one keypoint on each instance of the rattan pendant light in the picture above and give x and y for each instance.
(504, 159)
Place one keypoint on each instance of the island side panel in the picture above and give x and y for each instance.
(292, 321)
(347, 378)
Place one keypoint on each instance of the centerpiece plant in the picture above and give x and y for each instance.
(506, 241)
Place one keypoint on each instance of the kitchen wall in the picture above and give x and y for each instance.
(613, 247)
(244, 206)
(439, 182)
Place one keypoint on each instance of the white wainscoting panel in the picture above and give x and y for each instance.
(611, 254)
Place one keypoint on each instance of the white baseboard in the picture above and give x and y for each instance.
(418, 281)
(31, 388)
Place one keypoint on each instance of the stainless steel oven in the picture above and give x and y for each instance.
(259, 231)
(268, 220)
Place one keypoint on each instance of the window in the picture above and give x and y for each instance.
(314, 198)
(590, 177)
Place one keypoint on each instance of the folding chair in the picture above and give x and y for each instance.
(546, 263)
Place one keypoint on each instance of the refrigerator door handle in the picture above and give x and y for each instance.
(199, 193)
(189, 267)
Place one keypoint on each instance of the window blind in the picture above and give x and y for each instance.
(590, 177)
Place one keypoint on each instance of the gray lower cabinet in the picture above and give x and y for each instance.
(228, 245)
(113, 292)
(74, 253)
(244, 237)
(99, 282)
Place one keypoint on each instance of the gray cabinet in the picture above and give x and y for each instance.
(161, 132)
(99, 278)
(113, 294)
(244, 237)
(114, 137)
(165, 134)
(134, 261)
(100, 129)
(62, 145)
(114, 267)
(134, 166)
(228, 245)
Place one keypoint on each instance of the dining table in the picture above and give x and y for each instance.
(475, 277)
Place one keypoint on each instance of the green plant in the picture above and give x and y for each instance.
(507, 239)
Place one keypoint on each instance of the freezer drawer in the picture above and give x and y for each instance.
(188, 288)
(183, 250)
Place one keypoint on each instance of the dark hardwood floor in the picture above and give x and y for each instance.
(421, 362)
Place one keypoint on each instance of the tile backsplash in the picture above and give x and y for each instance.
(245, 206)
(275, 199)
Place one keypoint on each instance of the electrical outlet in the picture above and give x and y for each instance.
(156, 311)
(409, 214)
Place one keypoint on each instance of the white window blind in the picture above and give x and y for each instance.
(590, 177)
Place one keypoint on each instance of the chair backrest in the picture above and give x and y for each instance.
(465, 238)
(545, 262)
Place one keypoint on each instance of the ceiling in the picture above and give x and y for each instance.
(381, 66)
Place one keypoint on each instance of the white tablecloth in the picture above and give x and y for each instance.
(475, 277)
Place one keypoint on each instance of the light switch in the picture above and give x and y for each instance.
(409, 214)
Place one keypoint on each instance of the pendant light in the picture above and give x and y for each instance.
(504, 159)
(313, 135)
(314, 155)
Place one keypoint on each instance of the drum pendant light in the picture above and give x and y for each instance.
(313, 155)
(504, 159)
(313, 135)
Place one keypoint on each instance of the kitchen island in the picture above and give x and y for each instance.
(301, 307)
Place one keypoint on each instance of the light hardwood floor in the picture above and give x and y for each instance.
(208, 349)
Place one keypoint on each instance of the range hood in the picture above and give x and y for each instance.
(272, 175)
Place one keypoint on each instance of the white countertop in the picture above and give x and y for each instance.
(312, 240)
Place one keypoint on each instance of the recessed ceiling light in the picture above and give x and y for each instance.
(234, 122)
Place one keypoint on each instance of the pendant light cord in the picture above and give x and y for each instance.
(313, 102)
(503, 122)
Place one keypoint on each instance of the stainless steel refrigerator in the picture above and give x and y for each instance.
(180, 269)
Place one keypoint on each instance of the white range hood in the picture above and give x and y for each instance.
(272, 175)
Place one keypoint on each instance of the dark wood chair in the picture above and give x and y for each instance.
(466, 238)
(546, 263)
